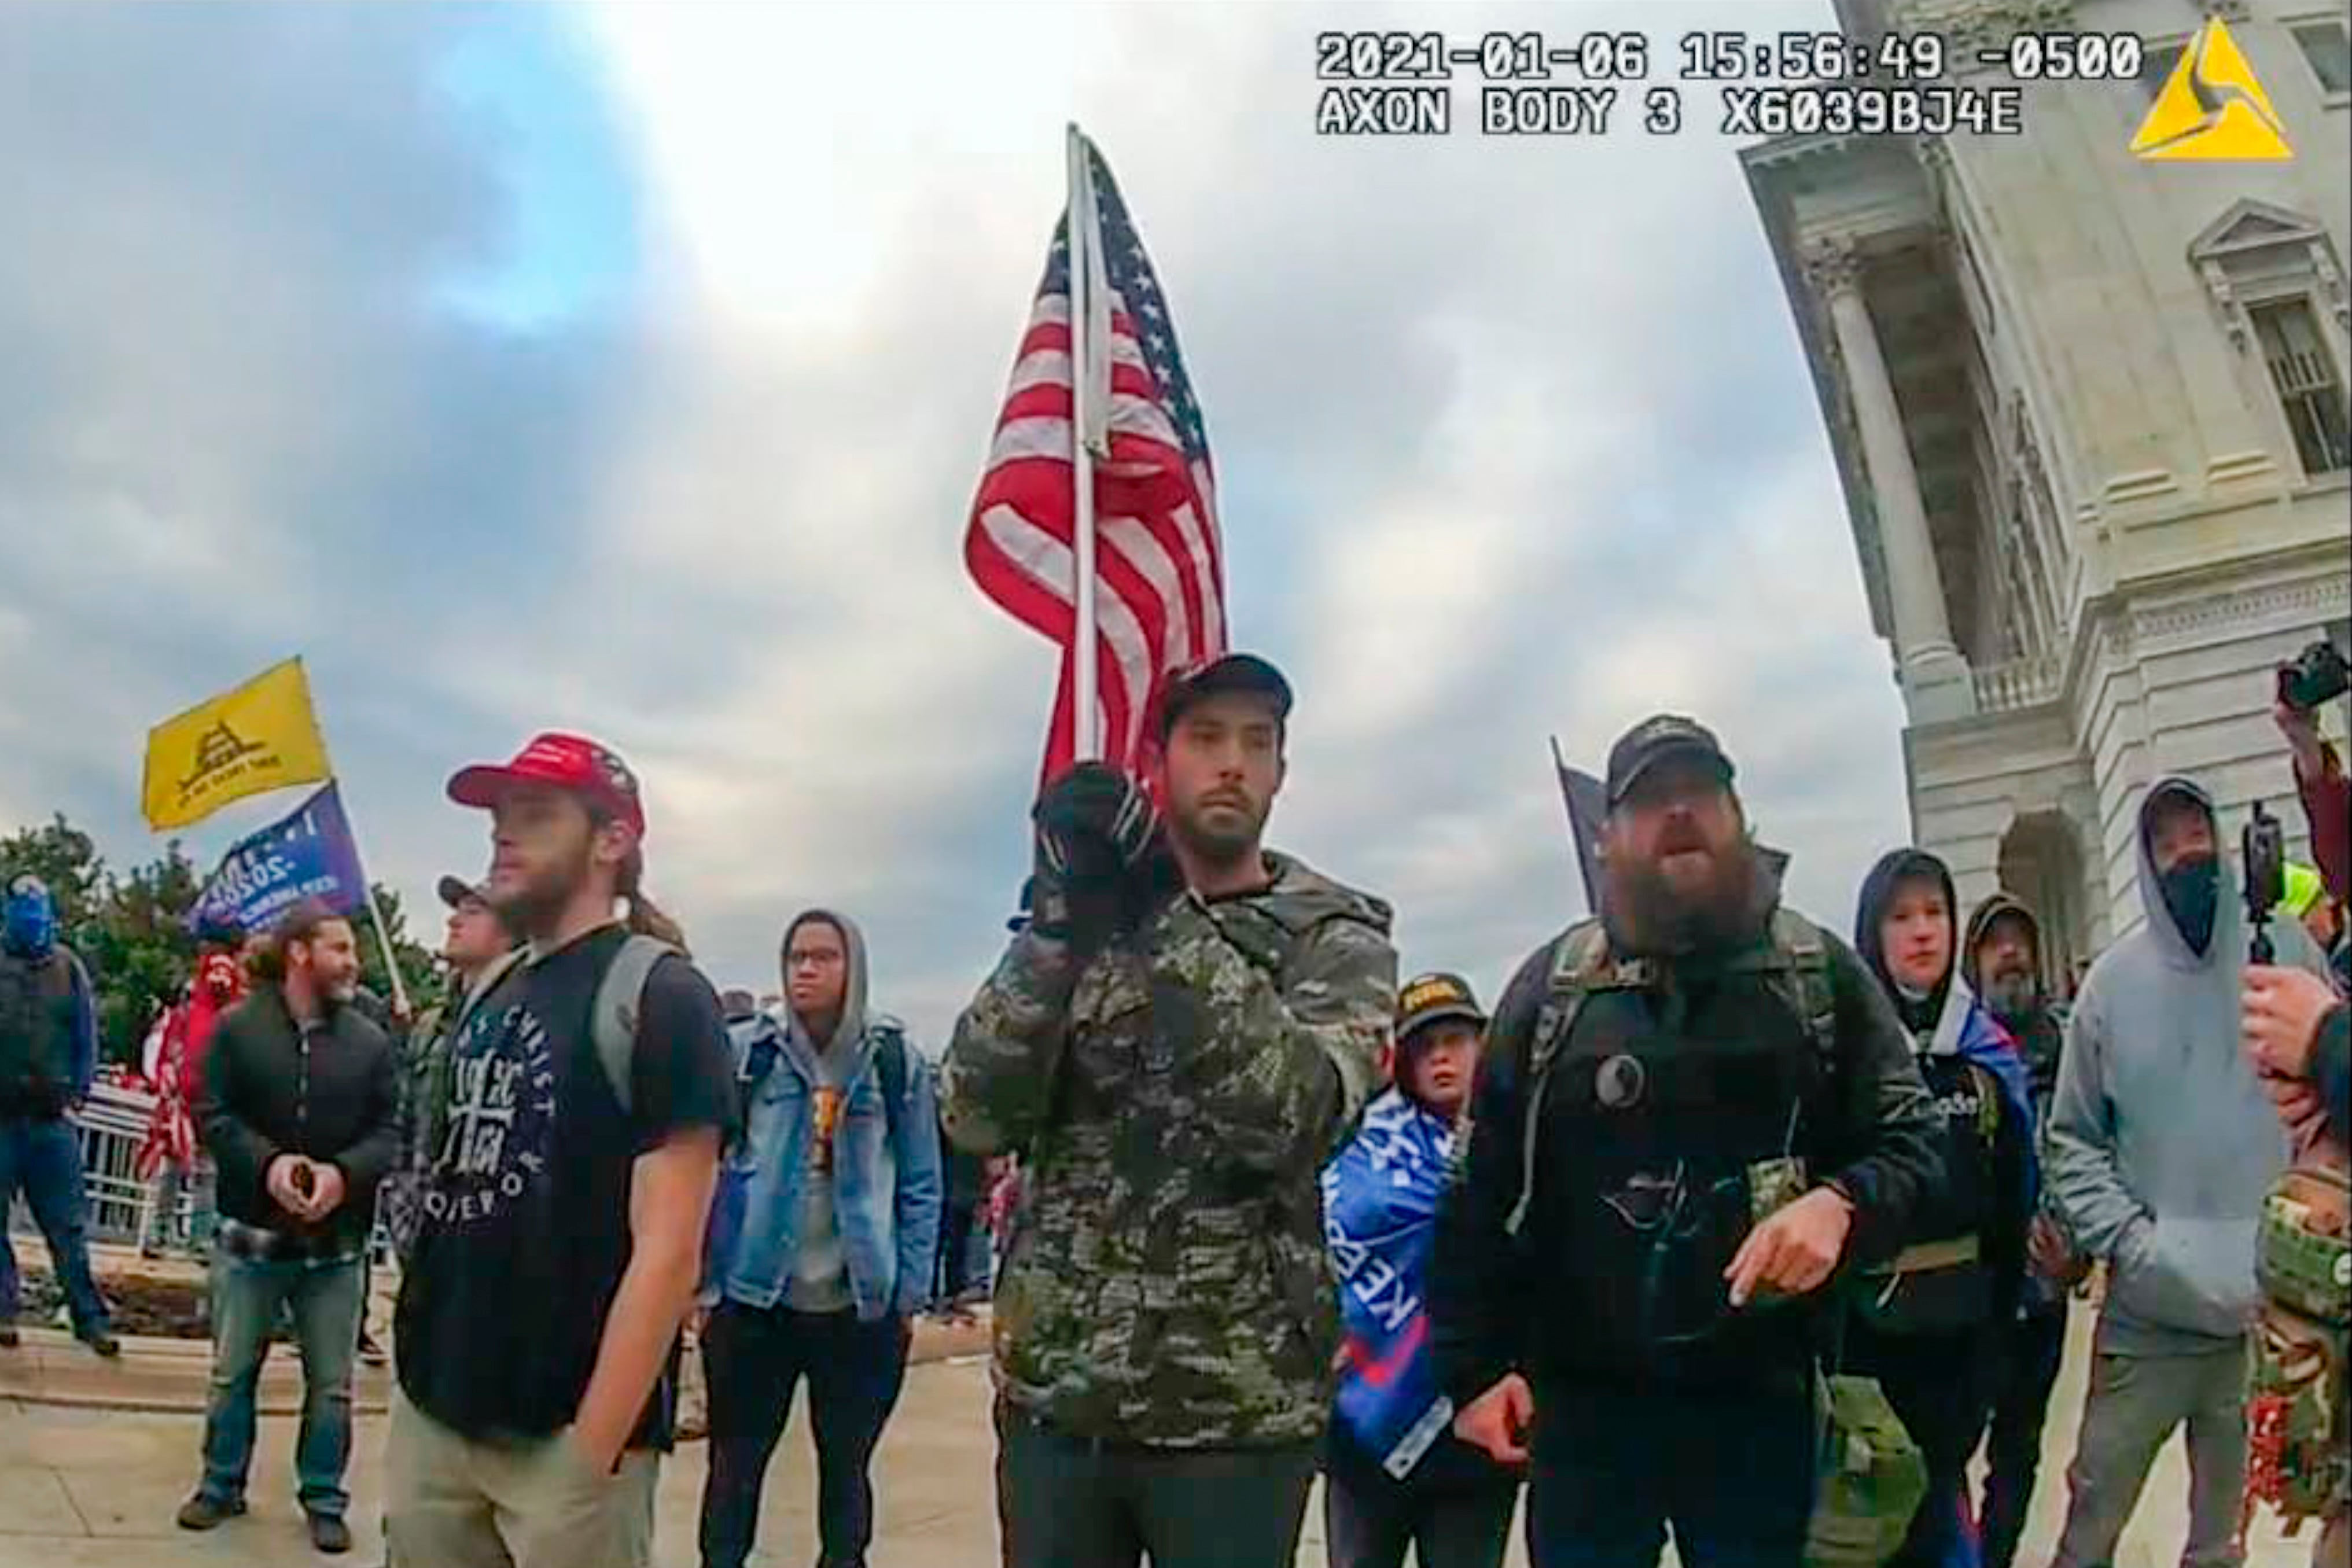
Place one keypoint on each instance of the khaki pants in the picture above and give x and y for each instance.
(455, 1504)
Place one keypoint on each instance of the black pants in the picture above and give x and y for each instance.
(1369, 1519)
(1938, 1384)
(1731, 1471)
(2027, 1371)
(1066, 1502)
(956, 1221)
(753, 1360)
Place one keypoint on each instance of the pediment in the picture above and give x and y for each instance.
(2250, 224)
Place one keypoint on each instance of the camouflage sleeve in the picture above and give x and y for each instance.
(998, 1077)
(1279, 1056)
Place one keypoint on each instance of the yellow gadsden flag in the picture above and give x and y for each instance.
(260, 737)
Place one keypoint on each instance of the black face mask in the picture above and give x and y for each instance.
(2193, 892)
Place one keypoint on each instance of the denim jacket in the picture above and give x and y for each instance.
(886, 1173)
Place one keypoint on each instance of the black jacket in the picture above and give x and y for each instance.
(268, 1090)
(1498, 1305)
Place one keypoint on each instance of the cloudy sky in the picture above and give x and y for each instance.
(630, 369)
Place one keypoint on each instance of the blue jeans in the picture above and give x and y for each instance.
(43, 1156)
(246, 1298)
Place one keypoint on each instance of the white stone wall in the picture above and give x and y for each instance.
(2200, 555)
(2143, 403)
(2196, 694)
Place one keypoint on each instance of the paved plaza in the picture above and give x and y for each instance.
(90, 1488)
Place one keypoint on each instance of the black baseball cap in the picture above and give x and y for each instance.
(1215, 677)
(1653, 741)
(1432, 998)
(456, 890)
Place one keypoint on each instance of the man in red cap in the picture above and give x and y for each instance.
(590, 1089)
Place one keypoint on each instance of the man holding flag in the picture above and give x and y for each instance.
(1175, 1044)
(1176, 1040)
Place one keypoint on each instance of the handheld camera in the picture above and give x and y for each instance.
(2263, 849)
(2317, 674)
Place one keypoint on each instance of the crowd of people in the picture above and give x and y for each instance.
(1720, 1224)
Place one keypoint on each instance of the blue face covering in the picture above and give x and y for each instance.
(28, 921)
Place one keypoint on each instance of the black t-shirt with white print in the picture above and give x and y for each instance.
(525, 1230)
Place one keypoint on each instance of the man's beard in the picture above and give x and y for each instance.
(1649, 917)
(2012, 995)
(539, 904)
(1215, 846)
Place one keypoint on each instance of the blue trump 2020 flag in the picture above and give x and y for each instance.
(1380, 1216)
(308, 854)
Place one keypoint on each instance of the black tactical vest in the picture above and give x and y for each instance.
(36, 1033)
(1674, 1116)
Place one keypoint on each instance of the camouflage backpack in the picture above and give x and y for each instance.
(2295, 1427)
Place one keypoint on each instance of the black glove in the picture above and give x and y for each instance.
(1094, 825)
(1102, 856)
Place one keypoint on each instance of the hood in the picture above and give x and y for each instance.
(853, 1000)
(2227, 945)
(1894, 867)
(1980, 922)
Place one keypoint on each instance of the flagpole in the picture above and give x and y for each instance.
(1085, 740)
(383, 939)
(376, 914)
(367, 883)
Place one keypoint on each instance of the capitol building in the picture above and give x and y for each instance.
(2089, 415)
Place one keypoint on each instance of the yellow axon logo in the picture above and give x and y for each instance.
(2211, 107)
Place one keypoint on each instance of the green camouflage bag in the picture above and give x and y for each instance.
(2296, 1458)
(1870, 1476)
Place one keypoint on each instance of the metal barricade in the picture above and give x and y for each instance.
(113, 1125)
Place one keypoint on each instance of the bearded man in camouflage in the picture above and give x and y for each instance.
(1175, 1047)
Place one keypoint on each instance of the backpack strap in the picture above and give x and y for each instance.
(1580, 964)
(890, 1065)
(620, 1003)
(1803, 980)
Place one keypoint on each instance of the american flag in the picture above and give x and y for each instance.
(1158, 561)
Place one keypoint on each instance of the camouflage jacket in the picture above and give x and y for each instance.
(1175, 1099)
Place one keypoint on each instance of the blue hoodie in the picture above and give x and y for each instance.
(2161, 1143)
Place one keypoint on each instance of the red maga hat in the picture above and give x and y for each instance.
(594, 771)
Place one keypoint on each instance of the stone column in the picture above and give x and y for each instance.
(1935, 677)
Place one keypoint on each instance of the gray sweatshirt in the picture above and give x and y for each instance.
(820, 1267)
(2161, 1144)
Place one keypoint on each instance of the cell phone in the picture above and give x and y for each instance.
(303, 1180)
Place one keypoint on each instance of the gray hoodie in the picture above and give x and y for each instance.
(2161, 1143)
(820, 1267)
